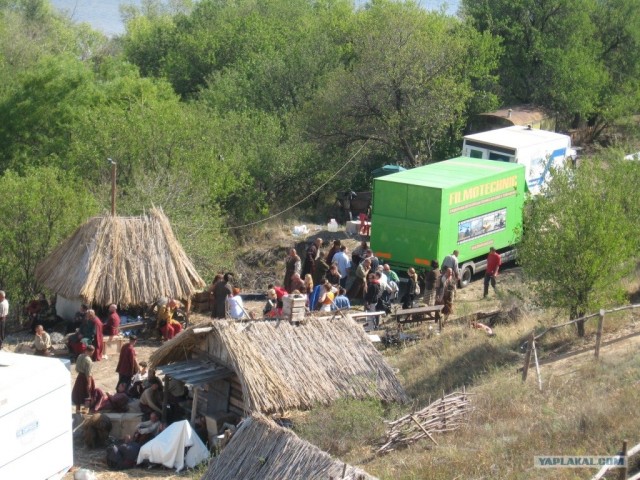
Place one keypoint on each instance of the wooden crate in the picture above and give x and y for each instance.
(293, 307)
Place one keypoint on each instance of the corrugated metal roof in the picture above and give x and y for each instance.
(451, 173)
(195, 372)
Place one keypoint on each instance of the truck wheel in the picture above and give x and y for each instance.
(465, 278)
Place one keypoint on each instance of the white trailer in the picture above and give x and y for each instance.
(537, 150)
(35, 417)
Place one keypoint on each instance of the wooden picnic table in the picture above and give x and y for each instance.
(416, 315)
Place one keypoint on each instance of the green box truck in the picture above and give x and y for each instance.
(463, 204)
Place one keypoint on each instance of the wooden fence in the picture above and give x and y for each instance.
(623, 473)
(531, 342)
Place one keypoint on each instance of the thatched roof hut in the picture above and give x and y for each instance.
(262, 450)
(127, 260)
(277, 366)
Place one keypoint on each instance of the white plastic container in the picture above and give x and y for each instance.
(332, 226)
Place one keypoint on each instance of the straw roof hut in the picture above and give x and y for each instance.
(274, 366)
(128, 260)
(262, 450)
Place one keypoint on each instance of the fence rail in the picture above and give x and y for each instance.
(625, 470)
(531, 341)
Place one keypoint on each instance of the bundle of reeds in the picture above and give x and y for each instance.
(444, 415)
(262, 450)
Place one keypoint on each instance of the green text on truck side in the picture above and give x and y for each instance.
(463, 204)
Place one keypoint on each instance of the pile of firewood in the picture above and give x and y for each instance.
(444, 415)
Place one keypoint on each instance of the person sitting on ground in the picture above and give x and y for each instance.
(341, 302)
(281, 292)
(42, 342)
(36, 309)
(138, 381)
(168, 325)
(112, 327)
(147, 430)
(78, 319)
(151, 398)
(75, 345)
(118, 402)
(270, 309)
(123, 456)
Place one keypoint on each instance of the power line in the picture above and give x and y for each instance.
(305, 198)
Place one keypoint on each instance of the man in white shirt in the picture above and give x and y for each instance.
(451, 261)
(4, 313)
(344, 265)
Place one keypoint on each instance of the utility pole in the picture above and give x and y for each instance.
(113, 187)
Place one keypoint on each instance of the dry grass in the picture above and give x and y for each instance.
(586, 407)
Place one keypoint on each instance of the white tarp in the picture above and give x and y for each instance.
(168, 448)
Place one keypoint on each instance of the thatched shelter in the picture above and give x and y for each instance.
(274, 366)
(126, 260)
(262, 450)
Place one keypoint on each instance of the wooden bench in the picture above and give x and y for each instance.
(416, 315)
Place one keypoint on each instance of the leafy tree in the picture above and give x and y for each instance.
(578, 58)
(39, 209)
(38, 118)
(406, 86)
(580, 237)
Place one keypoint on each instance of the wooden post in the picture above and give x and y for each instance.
(165, 399)
(187, 314)
(194, 405)
(622, 475)
(527, 356)
(535, 358)
(599, 333)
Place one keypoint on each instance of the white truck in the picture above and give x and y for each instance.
(35, 417)
(537, 150)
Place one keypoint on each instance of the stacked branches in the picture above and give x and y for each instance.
(126, 260)
(283, 366)
(261, 449)
(444, 415)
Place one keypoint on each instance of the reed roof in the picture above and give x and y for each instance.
(126, 260)
(262, 450)
(283, 366)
